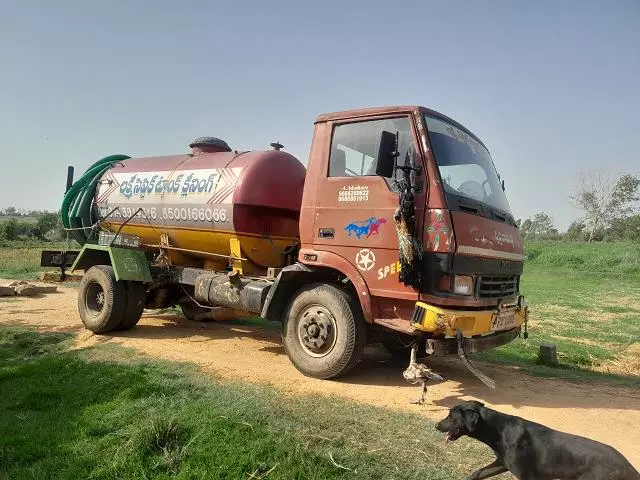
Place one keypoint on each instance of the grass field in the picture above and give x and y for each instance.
(21, 259)
(585, 298)
(107, 413)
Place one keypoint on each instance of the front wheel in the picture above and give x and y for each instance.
(324, 333)
(101, 299)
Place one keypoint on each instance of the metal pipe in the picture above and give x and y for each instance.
(69, 179)
(123, 224)
(168, 247)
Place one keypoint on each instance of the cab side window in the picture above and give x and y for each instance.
(354, 146)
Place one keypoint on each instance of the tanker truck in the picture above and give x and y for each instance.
(397, 232)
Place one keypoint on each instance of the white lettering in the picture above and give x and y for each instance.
(353, 193)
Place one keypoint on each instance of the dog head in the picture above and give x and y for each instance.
(462, 420)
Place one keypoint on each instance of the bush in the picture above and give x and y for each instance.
(47, 226)
(10, 229)
(625, 229)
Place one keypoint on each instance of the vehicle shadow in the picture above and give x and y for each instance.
(176, 326)
(514, 387)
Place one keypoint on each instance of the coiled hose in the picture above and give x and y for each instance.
(77, 212)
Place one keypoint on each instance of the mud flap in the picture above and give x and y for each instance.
(489, 382)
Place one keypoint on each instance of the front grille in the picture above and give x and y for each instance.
(497, 286)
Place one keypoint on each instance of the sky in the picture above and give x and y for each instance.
(550, 87)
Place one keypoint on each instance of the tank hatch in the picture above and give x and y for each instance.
(209, 144)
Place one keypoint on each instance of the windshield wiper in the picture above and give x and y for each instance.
(476, 207)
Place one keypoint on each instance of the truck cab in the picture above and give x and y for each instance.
(465, 239)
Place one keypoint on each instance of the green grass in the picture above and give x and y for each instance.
(107, 413)
(21, 259)
(585, 298)
(616, 258)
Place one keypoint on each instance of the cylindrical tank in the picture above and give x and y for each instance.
(207, 201)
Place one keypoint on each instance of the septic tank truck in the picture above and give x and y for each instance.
(398, 232)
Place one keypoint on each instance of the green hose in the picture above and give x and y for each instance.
(86, 200)
(76, 211)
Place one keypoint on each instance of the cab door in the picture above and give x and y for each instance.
(355, 207)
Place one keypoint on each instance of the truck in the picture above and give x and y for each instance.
(398, 231)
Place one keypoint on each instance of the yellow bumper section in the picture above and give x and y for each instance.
(429, 318)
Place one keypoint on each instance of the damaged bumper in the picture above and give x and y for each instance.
(487, 328)
(449, 346)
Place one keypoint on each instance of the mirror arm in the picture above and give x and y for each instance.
(405, 168)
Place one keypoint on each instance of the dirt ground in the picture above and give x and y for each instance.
(605, 413)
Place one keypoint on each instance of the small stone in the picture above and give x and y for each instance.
(51, 277)
(29, 290)
(548, 354)
(7, 291)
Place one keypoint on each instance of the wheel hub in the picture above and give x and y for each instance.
(317, 331)
(95, 299)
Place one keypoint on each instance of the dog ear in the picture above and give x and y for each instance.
(471, 419)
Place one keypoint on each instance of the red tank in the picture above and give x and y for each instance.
(207, 201)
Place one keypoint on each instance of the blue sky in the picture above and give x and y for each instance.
(550, 87)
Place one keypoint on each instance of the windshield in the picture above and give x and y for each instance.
(465, 166)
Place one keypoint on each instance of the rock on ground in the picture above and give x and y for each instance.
(25, 289)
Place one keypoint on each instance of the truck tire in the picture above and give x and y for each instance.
(323, 332)
(101, 300)
(135, 305)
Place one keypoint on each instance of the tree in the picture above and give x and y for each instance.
(10, 229)
(605, 198)
(576, 230)
(625, 228)
(538, 227)
(46, 222)
(10, 211)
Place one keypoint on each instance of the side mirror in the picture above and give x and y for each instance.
(386, 155)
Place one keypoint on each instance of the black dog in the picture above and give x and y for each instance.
(531, 451)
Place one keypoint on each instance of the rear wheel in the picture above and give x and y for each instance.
(324, 333)
(135, 305)
(101, 299)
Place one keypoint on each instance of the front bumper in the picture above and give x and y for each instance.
(472, 323)
(449, 346)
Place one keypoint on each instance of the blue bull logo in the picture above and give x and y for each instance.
(366, 227)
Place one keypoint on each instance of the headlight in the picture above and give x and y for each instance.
(463, 285)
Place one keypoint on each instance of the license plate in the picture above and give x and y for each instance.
(504, 321)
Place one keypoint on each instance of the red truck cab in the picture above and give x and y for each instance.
(470, 249)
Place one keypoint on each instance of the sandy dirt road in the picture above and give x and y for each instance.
(604, 413)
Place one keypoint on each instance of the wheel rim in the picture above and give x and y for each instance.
(316, 331)
(94, 299)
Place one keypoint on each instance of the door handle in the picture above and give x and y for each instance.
(326, 233)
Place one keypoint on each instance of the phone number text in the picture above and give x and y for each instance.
(185, 214)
